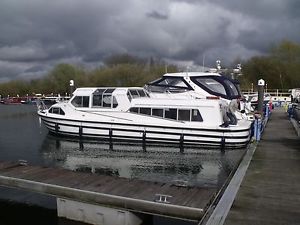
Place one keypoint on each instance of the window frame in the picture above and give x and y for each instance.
(105, 93)
(222, 80)
(82, 105)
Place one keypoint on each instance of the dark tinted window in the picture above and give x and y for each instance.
(141, 93)
(129, 96)
(158, 112)
(81, 101)
(134, 93)
(56, 110)
(97, 100)
(85, 101)
(196, 116)
(77, 101)
(184, 114)
(61, 112)
(171, 114)
(109, 91)
(146, 111)
(134, 109)
(232, 88)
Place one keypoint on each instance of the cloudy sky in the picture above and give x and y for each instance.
(35, 35)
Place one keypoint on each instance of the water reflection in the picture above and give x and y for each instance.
(194, 167)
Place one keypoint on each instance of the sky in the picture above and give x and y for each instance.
(36, 35)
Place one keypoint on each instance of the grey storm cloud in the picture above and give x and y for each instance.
(157, 15)
(36, 35)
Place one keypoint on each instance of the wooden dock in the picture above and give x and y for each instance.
(121, 193)
(270, 190)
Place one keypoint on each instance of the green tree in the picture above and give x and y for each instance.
(280, 68)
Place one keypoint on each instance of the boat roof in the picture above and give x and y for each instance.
(191, 74)
(86, 91)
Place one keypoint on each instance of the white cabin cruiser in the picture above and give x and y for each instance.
(135, 113)
(209, 85)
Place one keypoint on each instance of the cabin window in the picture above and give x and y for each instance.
(173, 82)
(158, 112)
(146, 111)
(85, 101)
(103, 98)
(171, 114)
(107, 101)
(134, 109)
(141, 93)
(232, 89)
(218, 85)
(109, 91)
(196, 116)
(184, 114)
(115, 103)
(129, 96)
(168, 84)
(81, 101)
(97, 100)
(56, 110)
(212, 85)
(134, 93)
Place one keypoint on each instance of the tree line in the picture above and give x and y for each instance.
(117, 71)
(279, 68)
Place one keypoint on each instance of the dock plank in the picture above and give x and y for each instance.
(270, 191)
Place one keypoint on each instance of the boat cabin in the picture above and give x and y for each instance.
(207, 84)
(106, 98)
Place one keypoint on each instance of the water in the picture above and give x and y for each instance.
(23, 137)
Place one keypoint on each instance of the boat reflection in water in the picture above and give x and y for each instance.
(168, 164)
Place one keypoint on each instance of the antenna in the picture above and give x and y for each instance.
(187, 70)
(203, 61)
(166, 68)
(218, 63)
(238, 69)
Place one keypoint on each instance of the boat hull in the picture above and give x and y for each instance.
(218, 137)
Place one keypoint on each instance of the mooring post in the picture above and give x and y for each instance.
(80, 132)
(56, 128)
(181, 143)
(144, 140)
(260, 103)
(257, 129)
(71, 87)
(110, 133)
(267, 112)
(223, 144)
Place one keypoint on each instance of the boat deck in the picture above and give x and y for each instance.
(133, 195)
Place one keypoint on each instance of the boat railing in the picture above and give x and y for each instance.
(41, 105)
(272, 92)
